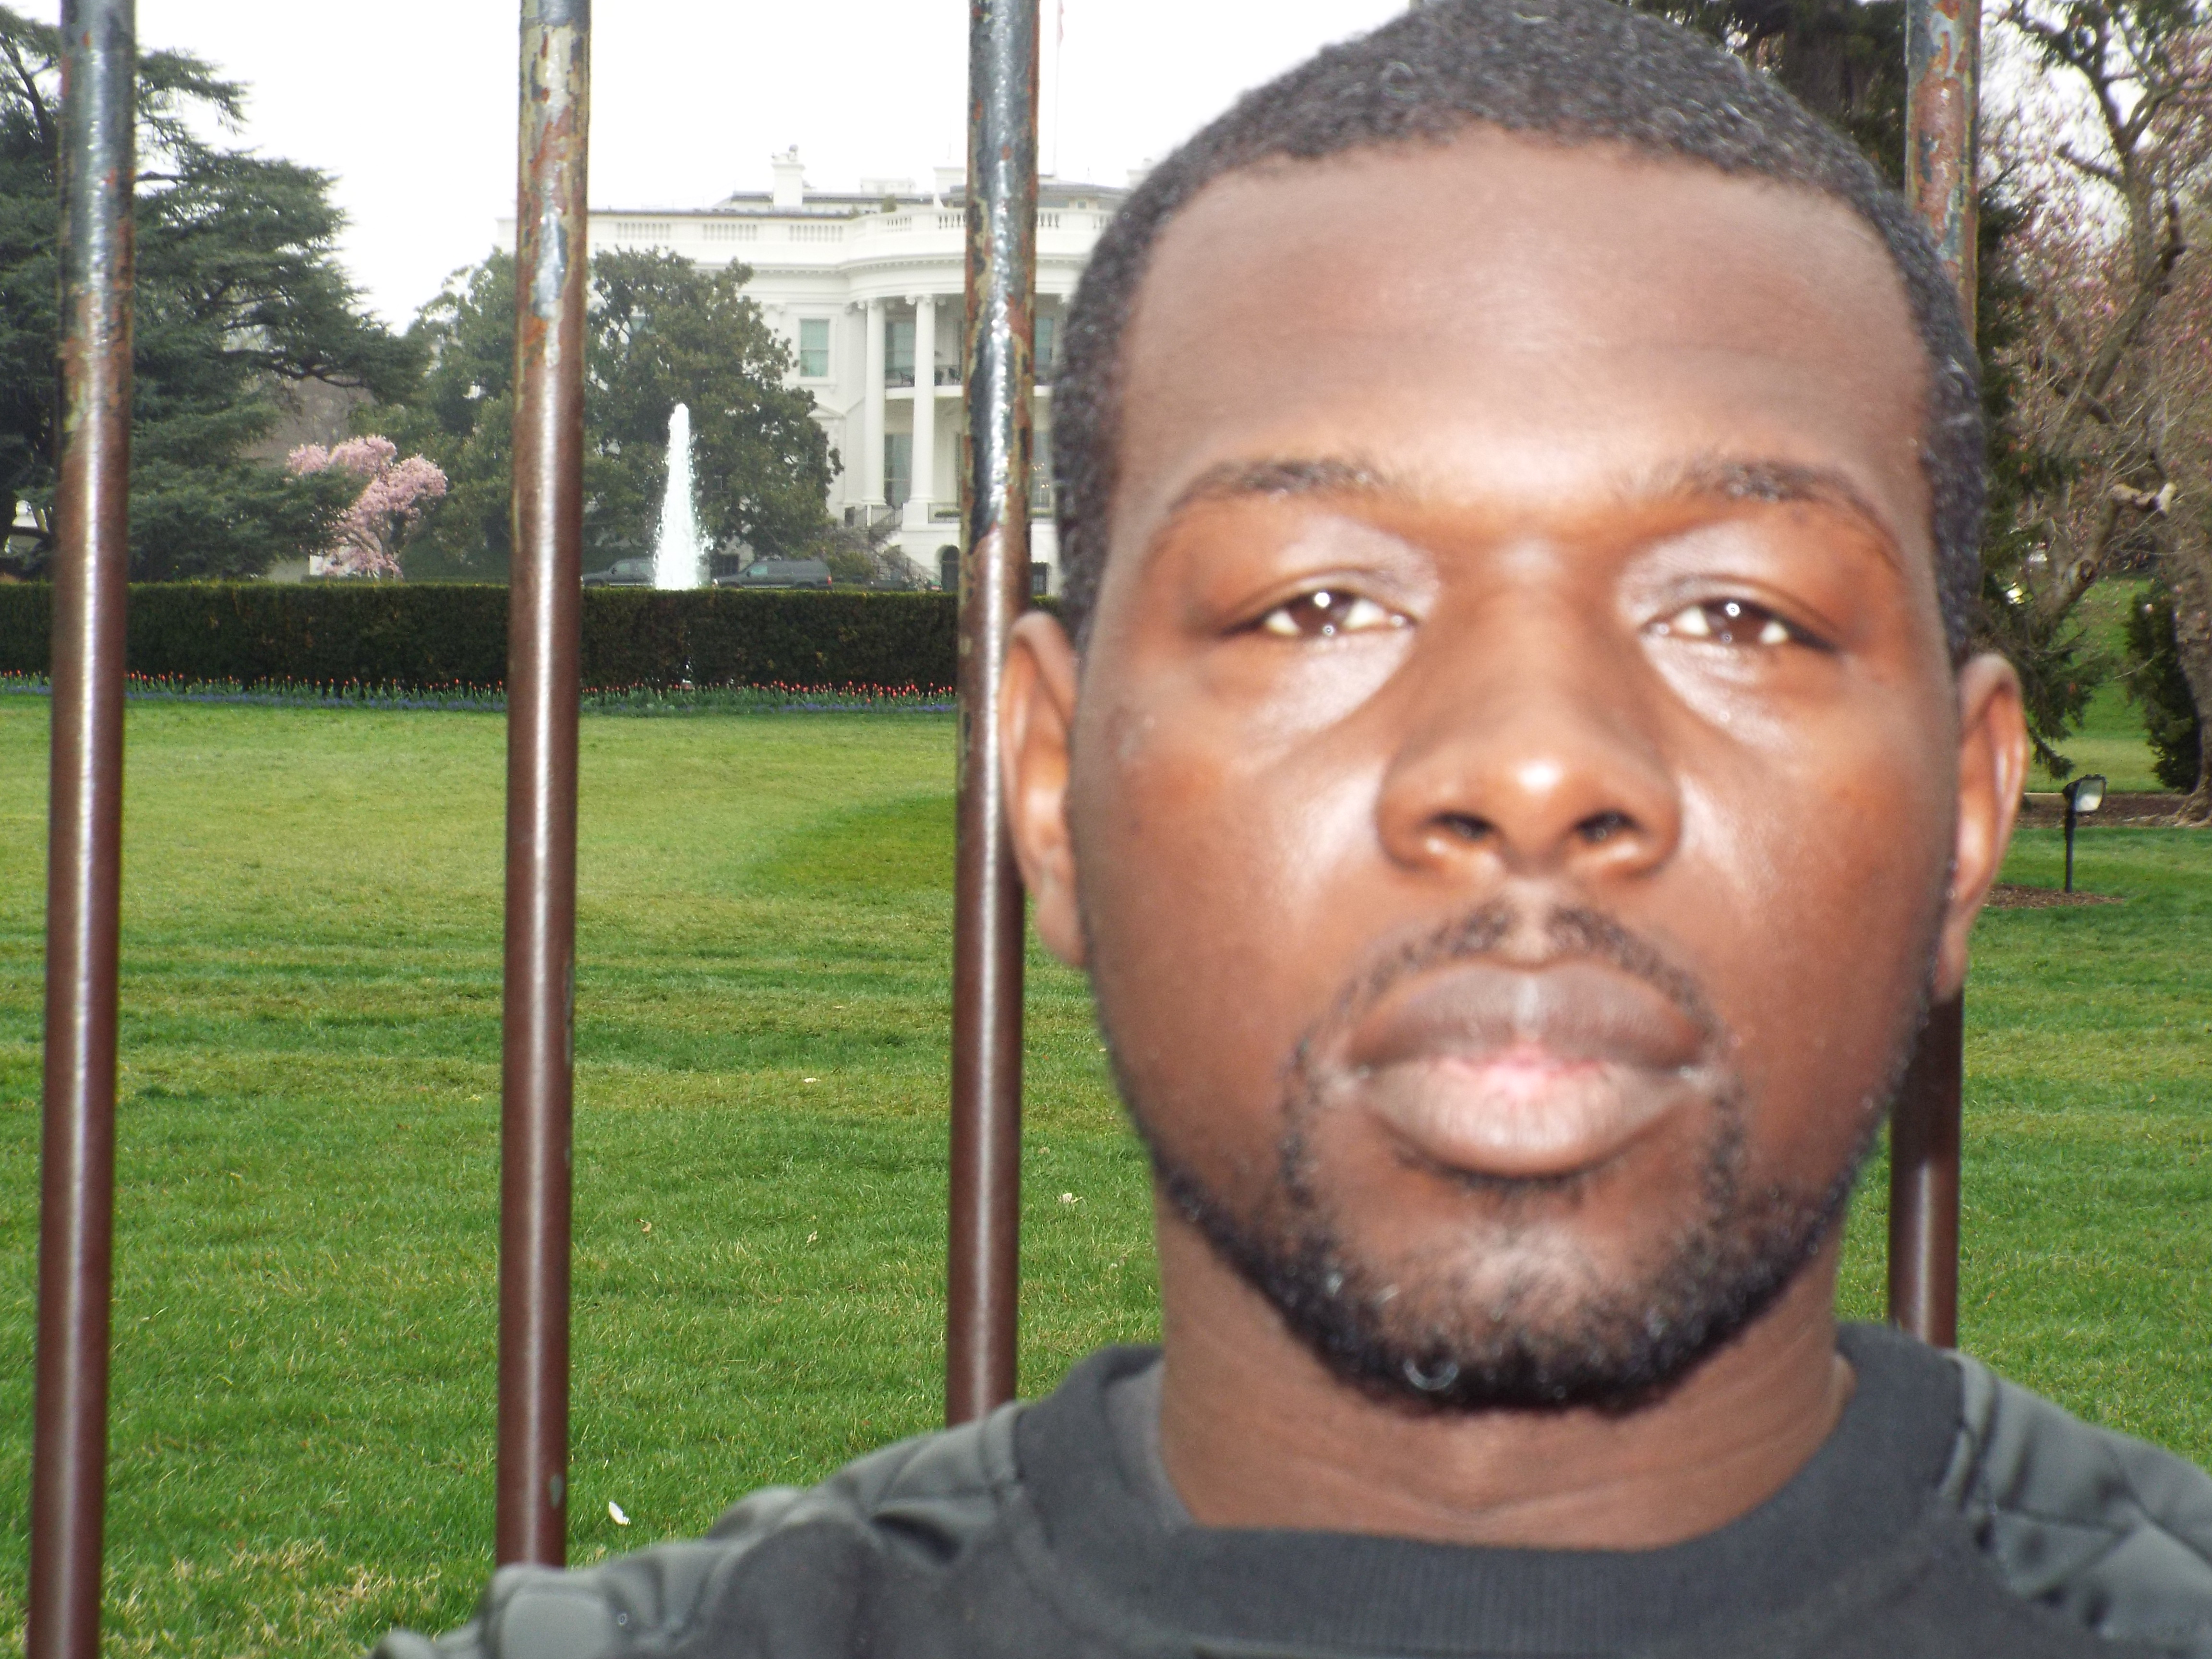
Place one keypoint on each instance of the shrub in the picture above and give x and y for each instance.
(2159, 688)
(732, 637)
(410, 635)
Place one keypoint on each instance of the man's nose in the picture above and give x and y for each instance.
(1536, 753)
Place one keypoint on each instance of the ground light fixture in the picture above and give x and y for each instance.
(2084, 794)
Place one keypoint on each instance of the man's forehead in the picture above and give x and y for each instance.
(1559, 317)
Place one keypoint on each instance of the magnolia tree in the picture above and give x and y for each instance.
(394, 496)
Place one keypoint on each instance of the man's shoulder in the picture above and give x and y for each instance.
(804, 1559)
(2111, 1534)
(931, 1495)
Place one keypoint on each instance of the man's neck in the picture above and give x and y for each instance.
(1256, 1432)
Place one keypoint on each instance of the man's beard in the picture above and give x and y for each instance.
(1425, 1333)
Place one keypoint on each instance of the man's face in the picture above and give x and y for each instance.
(1513, 794)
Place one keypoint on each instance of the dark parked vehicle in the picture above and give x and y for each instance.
(779, 572)
(622, 572)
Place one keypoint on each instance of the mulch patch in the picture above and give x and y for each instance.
(2043, 811)
(2011, 896)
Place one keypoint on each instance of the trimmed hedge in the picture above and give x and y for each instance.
(734, 636)
(419, 635)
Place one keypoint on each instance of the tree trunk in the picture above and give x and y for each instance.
(2187, 569)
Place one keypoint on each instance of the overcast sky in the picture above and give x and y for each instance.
(411, 104)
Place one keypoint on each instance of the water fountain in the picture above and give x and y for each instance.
(678, 559)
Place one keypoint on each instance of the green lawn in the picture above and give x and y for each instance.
(304, 1307)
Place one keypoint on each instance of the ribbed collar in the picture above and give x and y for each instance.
(1868, 1486)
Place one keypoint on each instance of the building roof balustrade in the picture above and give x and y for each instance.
(612, 230)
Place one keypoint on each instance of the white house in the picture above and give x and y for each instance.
(868, 286)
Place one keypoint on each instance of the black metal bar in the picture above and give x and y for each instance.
(983, 1268)
(84, 855)
(1943, 67)
(2072, 818)
(544, 688)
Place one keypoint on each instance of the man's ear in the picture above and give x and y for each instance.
(1992, 767)
(1036, 719)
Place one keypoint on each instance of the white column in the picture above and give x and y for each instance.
(871, 419)
(925, 411)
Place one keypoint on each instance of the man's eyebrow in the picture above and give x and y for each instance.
(1758, 479)
(1230, 481)
(1713, 478)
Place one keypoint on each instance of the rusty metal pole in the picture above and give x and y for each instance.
(84, 851)
(1923, 1184)
(1942, 66)
(544, 688)
(983, 1269)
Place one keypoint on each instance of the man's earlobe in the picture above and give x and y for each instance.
(1992, 769)
(1036, 716)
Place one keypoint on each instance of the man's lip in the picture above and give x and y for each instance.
(1570, 1013)
(1523, 1074)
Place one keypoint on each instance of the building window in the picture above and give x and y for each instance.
(898, 351)
(1048, 346)
(898, 467)
(1041, 497)
(814, 347)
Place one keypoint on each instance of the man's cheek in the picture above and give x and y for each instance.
(1206, 959)
(1823, 975)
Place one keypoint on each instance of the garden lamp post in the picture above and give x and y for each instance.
(2084, 794)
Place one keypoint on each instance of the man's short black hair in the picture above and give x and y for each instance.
(1576, 72)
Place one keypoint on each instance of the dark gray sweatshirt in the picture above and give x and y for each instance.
(1949, 1514)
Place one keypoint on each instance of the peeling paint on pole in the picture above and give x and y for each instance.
(84, 851)
(1942, 75)
(1943, 79)
(983, 1260)
(545, 612)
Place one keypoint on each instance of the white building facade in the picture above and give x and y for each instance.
(868, 288)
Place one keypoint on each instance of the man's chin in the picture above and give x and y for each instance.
(1535, 1322)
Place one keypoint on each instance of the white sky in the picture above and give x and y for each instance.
(412, 106)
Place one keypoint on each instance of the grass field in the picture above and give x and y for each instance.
(305, 1309)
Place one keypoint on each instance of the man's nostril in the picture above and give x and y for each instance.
(1465, 825)
(1601, 827)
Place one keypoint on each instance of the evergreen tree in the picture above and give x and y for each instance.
(238, 291)
(2159, 688)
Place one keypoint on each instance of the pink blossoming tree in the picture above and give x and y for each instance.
(394, 496)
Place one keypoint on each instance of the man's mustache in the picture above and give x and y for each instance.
(1555, 982)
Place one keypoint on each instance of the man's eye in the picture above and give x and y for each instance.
(1326, 613)
(1727, 621)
